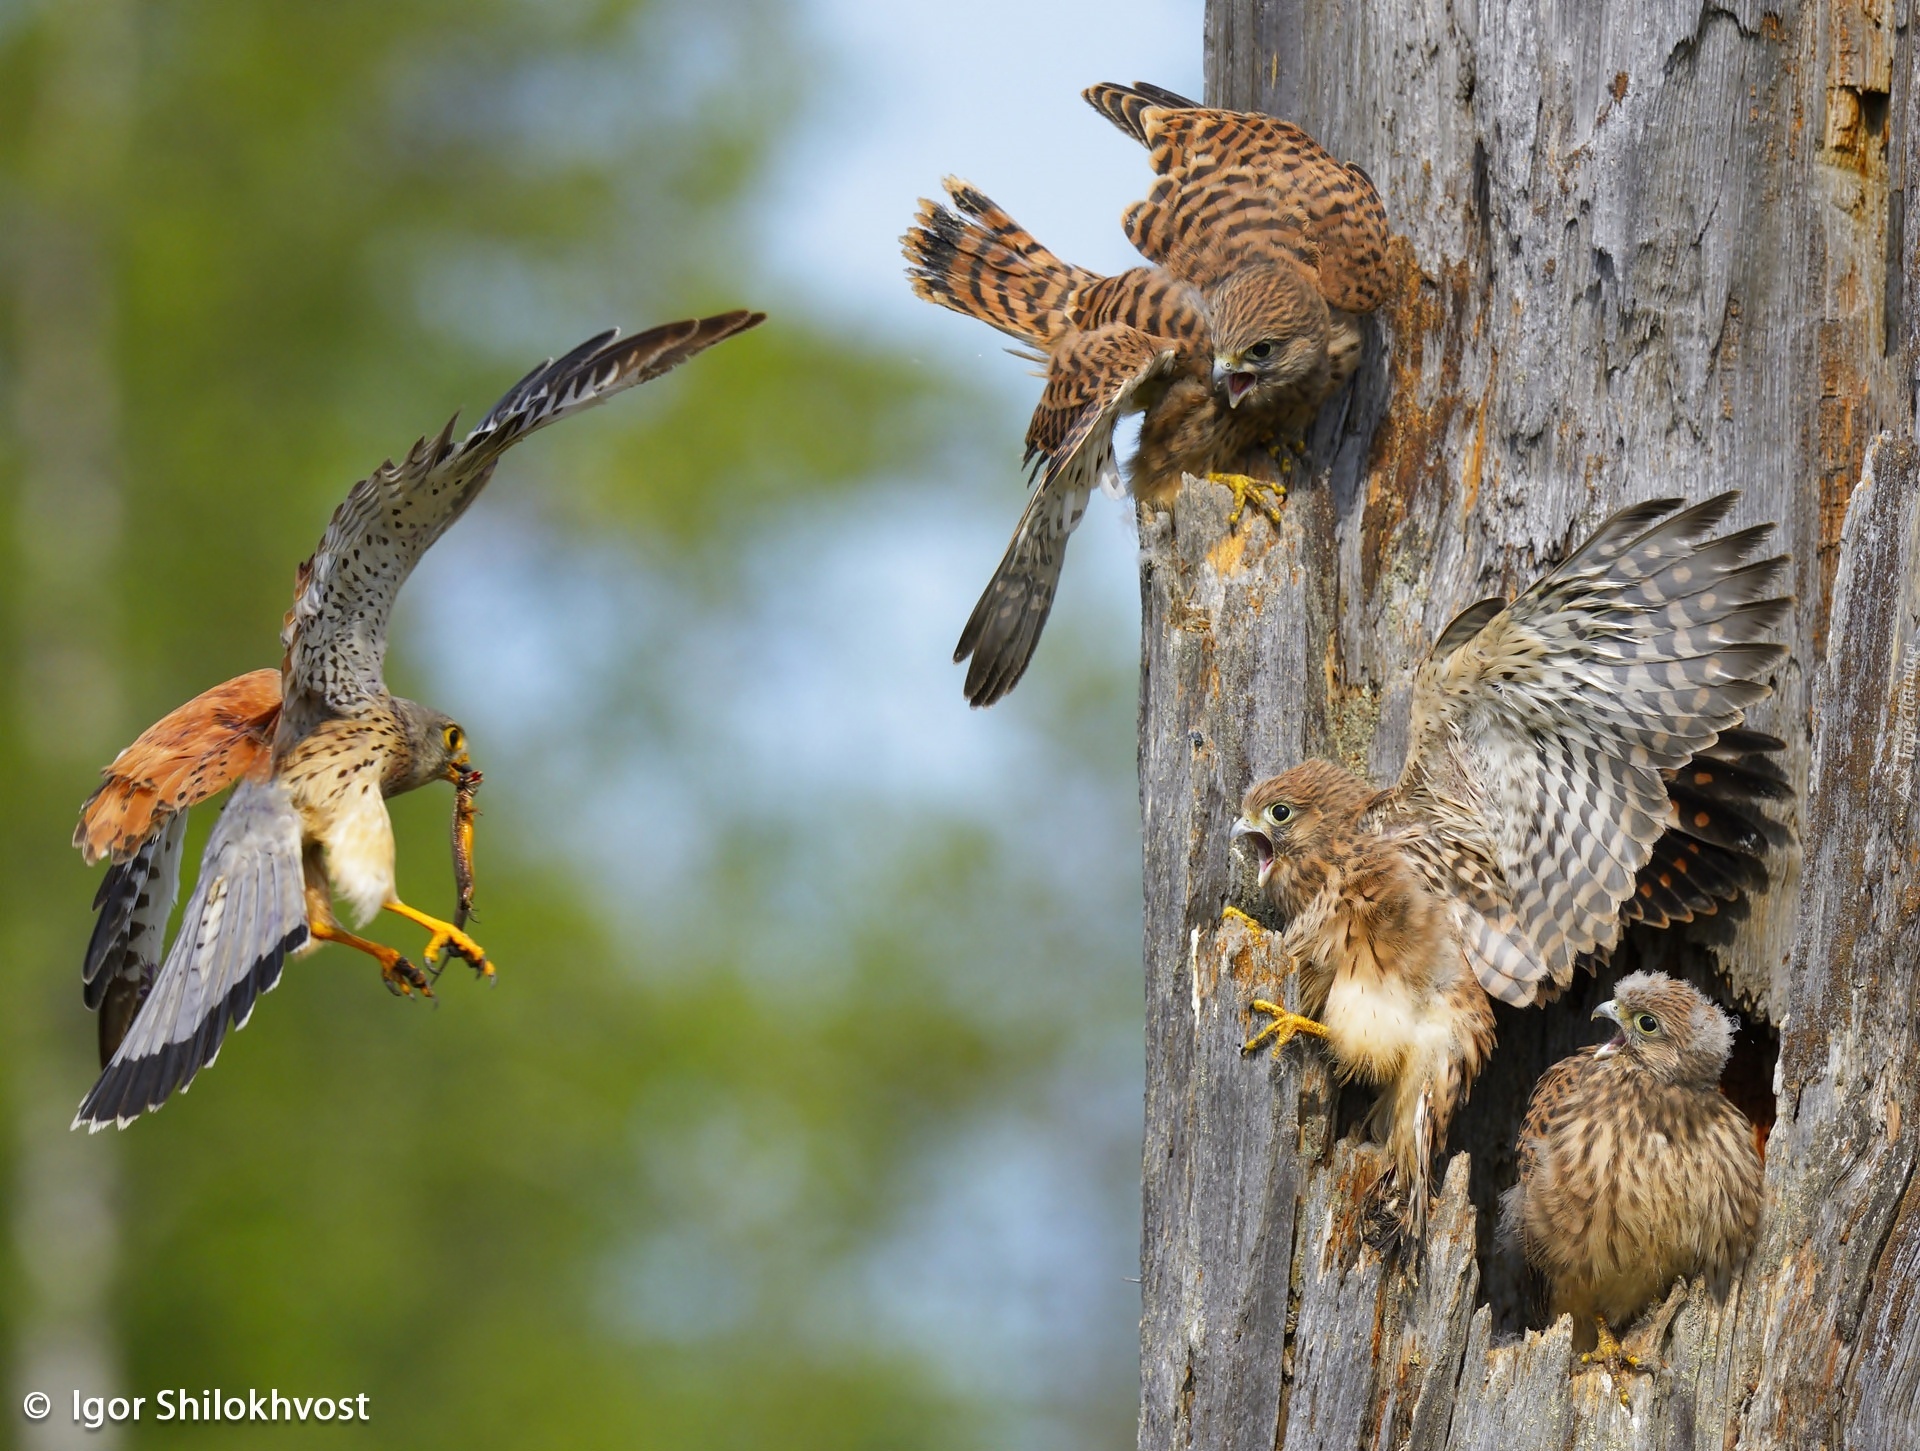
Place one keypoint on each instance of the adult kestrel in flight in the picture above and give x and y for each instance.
(1265, 253)
(312, 750)
(1635, 1170)
(1577, 763)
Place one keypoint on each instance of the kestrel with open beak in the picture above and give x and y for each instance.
(1578, 762)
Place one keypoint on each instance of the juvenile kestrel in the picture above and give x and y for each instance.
(1576, 764)
(316, 747)
(1266, 251)
(1634, 1169)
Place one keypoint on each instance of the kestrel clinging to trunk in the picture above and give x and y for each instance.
(316, 747)
(1266, 251)
(1635, 1170)
(1577, 763)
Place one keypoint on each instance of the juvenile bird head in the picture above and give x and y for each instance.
(1294, 823)
(1669, 1028)
(1270, 332)
(436, 747)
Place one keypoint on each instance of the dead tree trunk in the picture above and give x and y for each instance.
(1647, 249)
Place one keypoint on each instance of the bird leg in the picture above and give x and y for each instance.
(1263, 494)
(1281, 1030)
(444, 937)
(403, 979)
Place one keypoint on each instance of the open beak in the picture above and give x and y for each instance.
(1262, 845)
(1611, 1011)
(1235, 382)
(459, 769)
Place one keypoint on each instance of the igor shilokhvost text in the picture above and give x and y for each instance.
(272, 1404)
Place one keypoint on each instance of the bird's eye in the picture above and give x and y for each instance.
(453, 738)
(1646, 1023)
(1260, 352)
(1278, 813)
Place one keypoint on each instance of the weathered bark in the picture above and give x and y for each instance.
(1648, 249)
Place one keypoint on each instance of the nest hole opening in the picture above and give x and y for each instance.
(1530, 1041)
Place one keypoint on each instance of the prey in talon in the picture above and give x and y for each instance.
(465, 787)
(313, 751)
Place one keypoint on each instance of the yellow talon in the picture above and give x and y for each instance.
(1281, 1030)
(1267, 497)
(1611, 1355)
(442, 937)
(1234, 914)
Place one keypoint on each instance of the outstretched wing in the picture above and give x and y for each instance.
(247, 912)
(1716, 849)
(1545, 742)
(1091, 381)
(1236, 187)
(336, 634)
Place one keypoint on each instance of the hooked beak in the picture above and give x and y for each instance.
(1262, 845)
(459, 768)
(1235, 382)
(1611, 1011)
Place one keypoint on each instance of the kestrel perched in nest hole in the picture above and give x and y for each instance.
(1265, 251)
(1577, 763)
(1635, 1170)
(312, 750)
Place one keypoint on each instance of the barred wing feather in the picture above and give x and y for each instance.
(247, 912)
(336, 634)
(1545, 742)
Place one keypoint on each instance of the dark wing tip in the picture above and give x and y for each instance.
(129, 1087)
(1465, 625)
(1161, 96)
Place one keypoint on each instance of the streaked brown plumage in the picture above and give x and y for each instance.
(1577, 763)
(1265, 249)
(313, 751)
(1635, 1170)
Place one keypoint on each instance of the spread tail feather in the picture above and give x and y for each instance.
(979, 261)
(1125, 105)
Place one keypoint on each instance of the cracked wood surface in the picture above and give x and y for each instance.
(1646, 249)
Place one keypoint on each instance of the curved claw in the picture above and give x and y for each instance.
(1281, 1030)
(403, 979)
(444, 938)
(456, 943)
(1611, 1356)
(1266, 497)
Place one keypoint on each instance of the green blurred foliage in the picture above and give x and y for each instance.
(320, 225)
